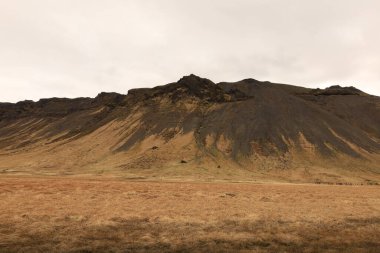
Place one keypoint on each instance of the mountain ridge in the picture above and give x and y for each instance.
(244, 126)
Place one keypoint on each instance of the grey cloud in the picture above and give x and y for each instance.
(80, 48)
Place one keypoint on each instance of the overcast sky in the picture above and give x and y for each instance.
(71, 48)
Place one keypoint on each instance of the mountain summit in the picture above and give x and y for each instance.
(197, 128)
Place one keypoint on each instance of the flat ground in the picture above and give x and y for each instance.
(87, 215)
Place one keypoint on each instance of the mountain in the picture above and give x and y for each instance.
(197, 129)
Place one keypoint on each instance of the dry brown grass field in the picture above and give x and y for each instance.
(112, 215)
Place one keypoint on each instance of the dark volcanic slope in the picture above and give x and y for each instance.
(195, 119)
(324, 117)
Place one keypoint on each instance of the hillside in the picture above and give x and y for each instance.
(194, 128)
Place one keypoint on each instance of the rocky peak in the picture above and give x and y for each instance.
(338, 90)
(194, 82)
(109, 98)
(194, 79)
(250, 80)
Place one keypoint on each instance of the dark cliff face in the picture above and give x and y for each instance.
(258, 118)
(52, 107)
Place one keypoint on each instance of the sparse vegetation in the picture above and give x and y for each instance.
(87, 215)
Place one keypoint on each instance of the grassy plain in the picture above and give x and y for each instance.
(112, 215)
